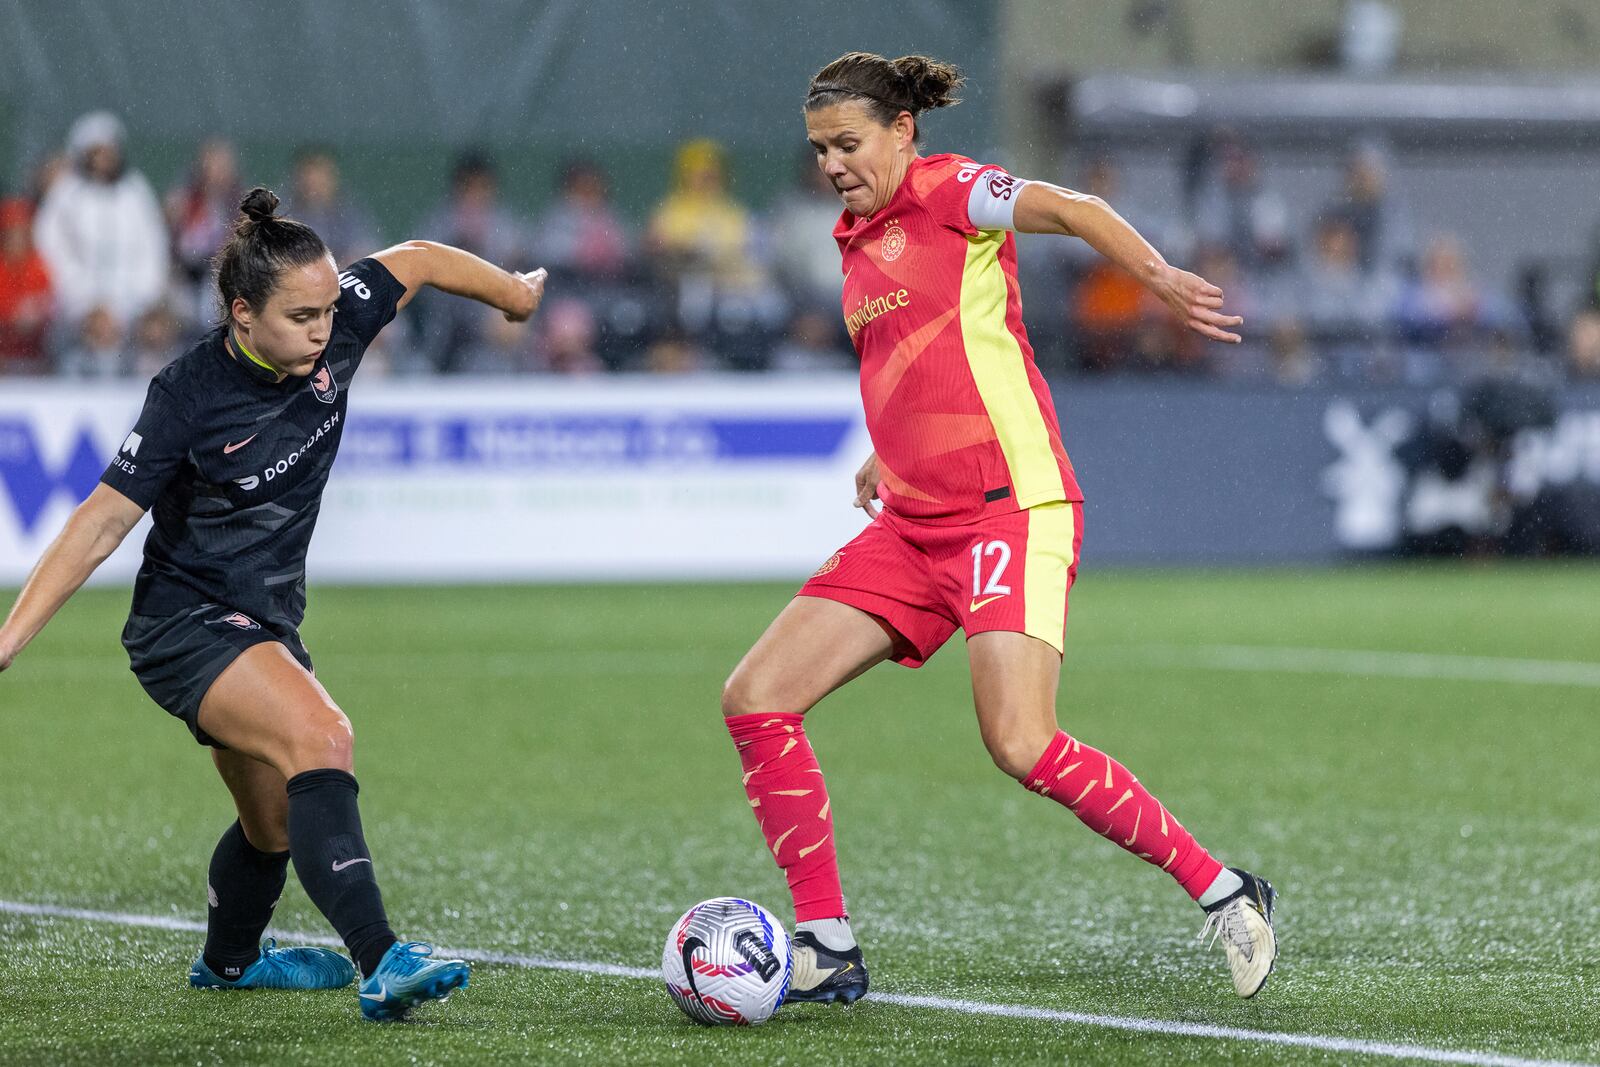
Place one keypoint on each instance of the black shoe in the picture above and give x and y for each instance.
(1243, 923)
(822, 975)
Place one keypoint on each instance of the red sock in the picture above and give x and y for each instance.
(790, 800)
(1110, 801)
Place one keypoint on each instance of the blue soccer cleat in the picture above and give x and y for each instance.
(407, 976)
(280, 968)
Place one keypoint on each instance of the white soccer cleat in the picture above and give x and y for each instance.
(1243, 923)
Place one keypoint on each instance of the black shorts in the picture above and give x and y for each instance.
(177, 657)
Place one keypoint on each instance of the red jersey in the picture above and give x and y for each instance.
(961, 418)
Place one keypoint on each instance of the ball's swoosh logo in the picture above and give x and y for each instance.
(689, 945)
(229, 450)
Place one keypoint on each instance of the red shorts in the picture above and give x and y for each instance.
(1010, 572)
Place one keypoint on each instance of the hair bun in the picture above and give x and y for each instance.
(260, 204)
(929, 83)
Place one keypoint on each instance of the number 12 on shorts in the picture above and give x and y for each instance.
(994, 587)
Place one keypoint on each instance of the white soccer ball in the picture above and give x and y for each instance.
(726, 963)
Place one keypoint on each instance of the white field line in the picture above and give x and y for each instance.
(1439, 666)
(1352, 1046)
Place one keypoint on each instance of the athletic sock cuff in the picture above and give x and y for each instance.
(1038, 778)
(237, 830)
(306, 781)
(747, 728)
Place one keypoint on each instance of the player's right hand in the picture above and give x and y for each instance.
(867, 486)
(7, 656)
(529, 296)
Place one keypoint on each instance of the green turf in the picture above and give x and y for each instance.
(544, 771)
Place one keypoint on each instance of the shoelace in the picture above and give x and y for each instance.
(411, 957)
(1228, 923)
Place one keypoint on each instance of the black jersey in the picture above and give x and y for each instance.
(232, 465)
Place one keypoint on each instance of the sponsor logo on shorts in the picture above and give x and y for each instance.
(976, 604)
(894, 242)
(241, 620)
(831, 564)
(323, 385)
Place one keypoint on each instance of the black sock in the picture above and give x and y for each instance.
(330, 857)
(242, 887)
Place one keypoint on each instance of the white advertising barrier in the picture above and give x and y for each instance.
(479, 480)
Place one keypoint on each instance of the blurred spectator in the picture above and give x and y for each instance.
(675, 352)
(1583, 346)
(472, 218)
(1235, 209)
(699, 229)
(98, 351)
(1443, 315)
(317, 201)
(804, 254)
(581, 232)
(1340, 307)
(1382, 228)
(200, 213)
(25, 298)
(100, 229)
(499, 347)
(157, 341)
(1108, 306)
(812, 345)
(568, 342)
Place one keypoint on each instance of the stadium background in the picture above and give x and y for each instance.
(678, 424)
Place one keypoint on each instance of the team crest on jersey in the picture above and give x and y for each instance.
(242, 621)
(831, 564)
(323, 385)
(894, 243)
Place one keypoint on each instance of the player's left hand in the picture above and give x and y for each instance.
(867, 486)
(527, 295)
(1197, 304)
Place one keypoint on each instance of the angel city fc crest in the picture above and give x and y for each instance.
(894, 242)
(323, 385)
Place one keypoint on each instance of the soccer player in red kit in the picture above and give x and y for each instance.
(981, 515)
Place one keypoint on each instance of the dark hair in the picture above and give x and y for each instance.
(887, 86)
(262, 246)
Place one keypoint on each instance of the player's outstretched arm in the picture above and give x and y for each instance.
(93, 533)
(1045, 208)
(453, 270)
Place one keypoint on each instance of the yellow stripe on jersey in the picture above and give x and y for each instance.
(1001, 374)
(1046, 571)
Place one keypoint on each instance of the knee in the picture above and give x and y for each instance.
(1016, 753)
(746, 693)
(738, 695)
(324, 739)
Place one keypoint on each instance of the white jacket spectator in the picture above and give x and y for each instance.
(100, 228)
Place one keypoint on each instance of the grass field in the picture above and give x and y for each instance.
(544, 774)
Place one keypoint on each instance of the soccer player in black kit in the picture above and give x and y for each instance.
(231, 453)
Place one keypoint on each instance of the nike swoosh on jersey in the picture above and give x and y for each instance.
(337, 866)
(976, 604)
(228, 450)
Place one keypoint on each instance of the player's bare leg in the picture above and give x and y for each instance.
(1015, 679)
(812, 647)
(267, 707)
